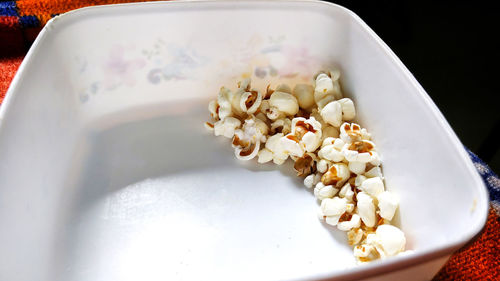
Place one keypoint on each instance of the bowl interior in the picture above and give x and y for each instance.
(116, 178)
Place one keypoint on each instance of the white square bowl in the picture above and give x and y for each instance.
(108, 174)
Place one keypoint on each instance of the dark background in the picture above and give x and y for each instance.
(452, 50)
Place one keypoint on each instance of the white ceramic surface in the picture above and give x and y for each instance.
(107, 173)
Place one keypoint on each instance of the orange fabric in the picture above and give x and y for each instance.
(52, 7)
(478, 261)
(8, 68)
(9, 22)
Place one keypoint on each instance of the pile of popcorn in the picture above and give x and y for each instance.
(311, 124)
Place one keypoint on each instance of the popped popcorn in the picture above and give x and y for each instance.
(387, 204)
(358, 181)
(354, 222)
(283, 125)
(279, 155)
(323, 90)
(305, 95)
(350, 207)
(357, 167)
(305, 165)
(365, 252)
(373, 186)
(284, 102)
(333, 209)
(332, 113)
(354, 236)
(348, 110)
(374, 172)
(388, 240)
(250, 101)
(351, 132)
(347, 193)
(305, 136)
(265, 155)
(332, 150)
(213, 108)
(337, 159)
(224, 102)
(246, 141)
(226, 127)
(359, 151)
(330, 132)
(336, 175)
(323, 165)
(322, 191)
(311, 180)
(283, 88)
(366, 209)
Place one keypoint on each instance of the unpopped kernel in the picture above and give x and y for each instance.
(337, 158)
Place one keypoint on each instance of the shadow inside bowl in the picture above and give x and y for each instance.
(164, 188)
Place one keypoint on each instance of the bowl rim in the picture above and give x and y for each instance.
(367, 270)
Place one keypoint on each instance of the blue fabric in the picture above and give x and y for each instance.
(8, 9)
(490, 178)
(29, 21)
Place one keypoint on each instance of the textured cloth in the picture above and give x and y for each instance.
(20, 22)
(8, 67)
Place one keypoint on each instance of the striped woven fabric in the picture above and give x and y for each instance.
(21, 20)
